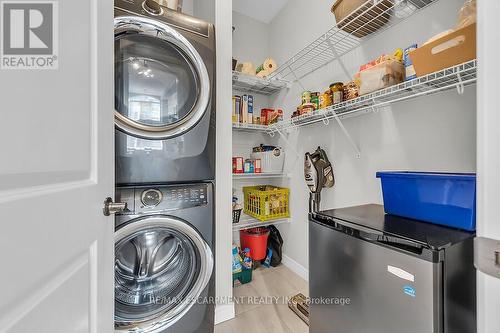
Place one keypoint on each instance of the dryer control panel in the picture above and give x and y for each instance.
(162, 198)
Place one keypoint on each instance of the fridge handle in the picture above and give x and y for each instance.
(401, 244)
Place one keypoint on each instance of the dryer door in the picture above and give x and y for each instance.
(162, 87)
(162, 265)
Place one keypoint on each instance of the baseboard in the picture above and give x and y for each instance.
(295, 267)
(224, 312)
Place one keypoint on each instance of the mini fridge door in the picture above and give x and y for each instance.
(374, 288)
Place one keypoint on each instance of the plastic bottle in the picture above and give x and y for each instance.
(467, 14)
(236, 260)
(247, 261)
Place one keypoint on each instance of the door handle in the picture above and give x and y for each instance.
(111, 207)
(487, 256)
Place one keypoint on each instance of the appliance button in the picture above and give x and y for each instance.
(152, 7)
(151, 198)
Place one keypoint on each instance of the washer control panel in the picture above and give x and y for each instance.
(163, 198)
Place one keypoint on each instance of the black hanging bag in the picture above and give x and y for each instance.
(275, 242)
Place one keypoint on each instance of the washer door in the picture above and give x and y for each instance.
(162, 265)
(162, 88)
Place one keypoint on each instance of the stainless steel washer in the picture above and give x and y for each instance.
(164, 95)
(164, 263)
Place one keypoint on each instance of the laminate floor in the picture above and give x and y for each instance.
(262, 305)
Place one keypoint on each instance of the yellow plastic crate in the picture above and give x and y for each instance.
(266, 202)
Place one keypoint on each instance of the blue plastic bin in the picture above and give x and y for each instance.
(442, 198)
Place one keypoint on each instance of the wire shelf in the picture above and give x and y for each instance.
(247, 222)
(370, 19)
(263, 175)
(457, 77)
(251, 127)
(250, 83)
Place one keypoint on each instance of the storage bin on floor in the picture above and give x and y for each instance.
(256, 240)
(244, 277)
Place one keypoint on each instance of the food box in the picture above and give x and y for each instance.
(450, 50)
(383, 75)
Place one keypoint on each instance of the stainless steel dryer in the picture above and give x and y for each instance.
(164, 95)
(164, 261)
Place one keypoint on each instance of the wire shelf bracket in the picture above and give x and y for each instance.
(338, 58)
(347, 135)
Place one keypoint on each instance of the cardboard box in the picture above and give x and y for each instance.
(450, 50)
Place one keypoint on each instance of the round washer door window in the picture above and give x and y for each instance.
(162, 86)
(162, 265)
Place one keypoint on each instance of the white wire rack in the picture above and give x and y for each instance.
(457, 77)
(259, 175)
(371, 18)
(251, 127)
(247, 222)
(250, 83)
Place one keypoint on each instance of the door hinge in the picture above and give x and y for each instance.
(487, 256)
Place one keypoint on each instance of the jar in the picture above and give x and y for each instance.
(315, 100)
(306, 97)
(307, 108)
(325, 100)
(351, 90)
(337, 90)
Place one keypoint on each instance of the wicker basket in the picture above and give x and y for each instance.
(361, 18)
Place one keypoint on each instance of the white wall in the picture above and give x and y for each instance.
(187, 7)
(250, 39)
(205, 9)
(430, 133)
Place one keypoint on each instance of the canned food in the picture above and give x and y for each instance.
(337, 90)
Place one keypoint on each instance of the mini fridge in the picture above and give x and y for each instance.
(375, 273)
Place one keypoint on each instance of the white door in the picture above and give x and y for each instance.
(56, 168)
(488, 158)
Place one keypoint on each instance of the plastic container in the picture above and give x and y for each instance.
(266, 202)
(380, 76)
(442, 198)
(236, 215)
(256, 240)
(271, 161)
(245, 276)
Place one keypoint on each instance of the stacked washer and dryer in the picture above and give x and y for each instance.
(165, 169)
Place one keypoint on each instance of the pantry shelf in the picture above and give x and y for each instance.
(259, 175)
(456, 77)
(247, 222)
(250, 83)
(251, 127)
(367, 21)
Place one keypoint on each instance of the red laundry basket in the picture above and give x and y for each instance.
(256, 240)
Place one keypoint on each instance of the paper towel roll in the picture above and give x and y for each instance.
(263, 73)
(269, 66)
(246, 68)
